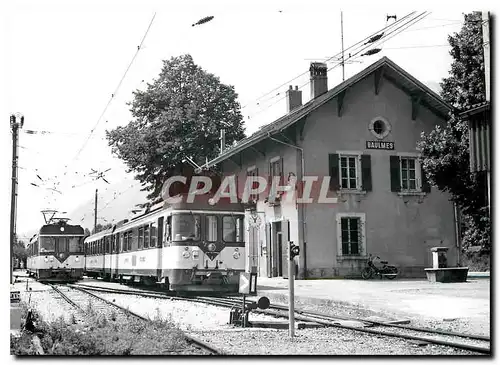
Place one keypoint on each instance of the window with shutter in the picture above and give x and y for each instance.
(351, 238)
(275, 170)
(350, 171)
(253, 173)
(407, 175)
(350, 235)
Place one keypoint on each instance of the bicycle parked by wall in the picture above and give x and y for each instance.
(388, 271)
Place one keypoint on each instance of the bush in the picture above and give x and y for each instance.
(477, 261)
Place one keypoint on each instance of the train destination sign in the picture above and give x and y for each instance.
(379, 145)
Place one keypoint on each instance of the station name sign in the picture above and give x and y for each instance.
(379, 145)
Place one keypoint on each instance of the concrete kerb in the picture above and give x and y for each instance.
(478, 275)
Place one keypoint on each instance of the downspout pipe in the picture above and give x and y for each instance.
(303, 255)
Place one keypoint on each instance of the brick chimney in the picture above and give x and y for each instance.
(293, 98)
(319, 80)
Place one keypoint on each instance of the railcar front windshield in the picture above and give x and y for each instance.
(75, 244)
(186, 227)
(47, 244)
(232, 228)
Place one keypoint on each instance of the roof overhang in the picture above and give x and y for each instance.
(392, 72)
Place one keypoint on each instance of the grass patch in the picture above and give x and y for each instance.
(101, 335)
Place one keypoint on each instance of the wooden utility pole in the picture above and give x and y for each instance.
(95, 212)
(15, 125)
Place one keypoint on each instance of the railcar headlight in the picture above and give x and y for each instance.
(236, 255)
(195, 254)
(46, 259)
(186, 254)
(77, 259)
(51, 258)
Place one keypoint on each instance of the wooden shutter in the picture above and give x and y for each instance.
(366, 173)
(333, 163)
(282, 172)
(426, 187)
(255, 184)
(395, 174)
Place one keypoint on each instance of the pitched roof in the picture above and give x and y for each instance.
(392, 72)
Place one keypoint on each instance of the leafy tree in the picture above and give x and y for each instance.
(19, 250)
(101, 227)
(179, 115)
(445, 150)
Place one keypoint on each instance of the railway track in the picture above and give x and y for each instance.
(78, 297)
(420, 335)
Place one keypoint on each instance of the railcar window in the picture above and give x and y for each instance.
(108, 244)
(129, 248)
(48, 244)
(186, 227)
(146, 237)
(75, 244)
(154, 232)
(141, 238)
(211, 228)
(167, 232)
(232, 229)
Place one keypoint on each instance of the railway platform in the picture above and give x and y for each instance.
(405, 298)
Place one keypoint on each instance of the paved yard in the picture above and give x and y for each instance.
(405, 297)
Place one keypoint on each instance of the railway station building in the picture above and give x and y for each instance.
(362, 134)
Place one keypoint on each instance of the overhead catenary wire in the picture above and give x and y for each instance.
(89, 136)
(332, 57)
(139, 47)
(397, 31)
(356, 46)
(359, 50)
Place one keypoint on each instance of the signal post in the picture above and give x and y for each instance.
(293, 251)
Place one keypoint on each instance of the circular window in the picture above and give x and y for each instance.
(379, 127)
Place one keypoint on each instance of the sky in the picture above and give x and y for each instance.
(66, 69)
